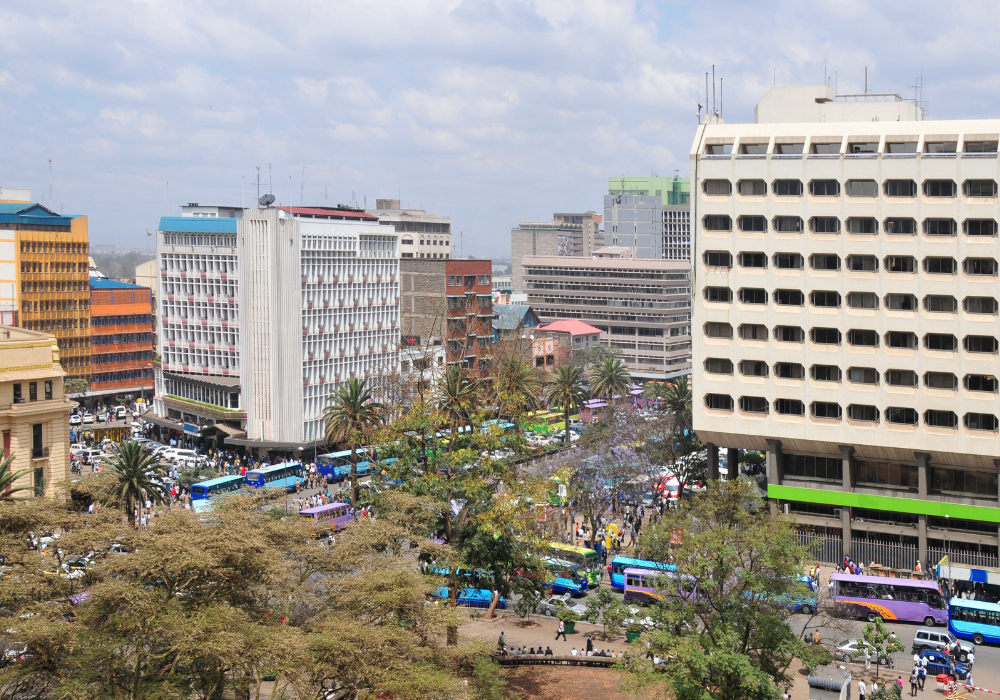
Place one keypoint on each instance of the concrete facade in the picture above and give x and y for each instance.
(635, 221)
(421, 235)
(121, 338)
(573, 235)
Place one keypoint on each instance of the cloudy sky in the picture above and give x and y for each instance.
(490, 111)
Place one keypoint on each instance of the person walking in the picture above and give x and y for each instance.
(922, 676)
(862, 689)
(914, 681)
(501, 643)
(590, 646)
(561, 631)
(868, 659)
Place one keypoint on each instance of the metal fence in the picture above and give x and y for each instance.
(823, 548)
(893, 555)
(961, 556)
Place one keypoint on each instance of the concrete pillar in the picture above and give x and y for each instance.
(997, 463)
(846, 453)
(922, 540)
(774, 462)
(713, 461)
(923, 459)
(733, 461)
(845, 524)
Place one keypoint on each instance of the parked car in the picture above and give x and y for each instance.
(850, 651)
(121, 413)
(88, 418)
(926, 638)
(187, 458)
(939, 662)
(552, 605)
(76, 420)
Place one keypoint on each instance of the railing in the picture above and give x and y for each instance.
(823, 548)
(962, 557)
(39, 452)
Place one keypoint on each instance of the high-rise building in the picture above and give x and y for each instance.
(675, 199)
(635, 221)
(846, 306)
(574, 235)
(44, 283)
(421, 235)
(121, 338)
(264, 311)
(642, 307)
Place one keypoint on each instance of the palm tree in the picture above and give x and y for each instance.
(352, 416)
(566, 390)
(133, 471)
(677, 395)
(609, 378)
(8, 478)
(516, 387)
(457, 396)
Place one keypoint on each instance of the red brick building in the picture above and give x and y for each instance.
(121, 338)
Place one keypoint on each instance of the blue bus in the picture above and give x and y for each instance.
(278, 476)
(204, 492)
(471, 597)
(337, 465)
(567, 578)
(975, 620)
(619, 564)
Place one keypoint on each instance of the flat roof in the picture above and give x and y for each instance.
(105, 283)
(571, 326)
(328, 213)
(884, 580)
(197, 224)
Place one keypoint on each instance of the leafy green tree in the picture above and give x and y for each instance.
(609, 378)
(132, 470)
(677, 396)
(193, 475)
(76, 385)
(9, 479)
(516, 388)
(607, 608)
(458, 395)
(352, 416)
(566, 391)
(882, 641)
(724, 632)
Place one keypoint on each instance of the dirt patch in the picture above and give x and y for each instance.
(569, 683)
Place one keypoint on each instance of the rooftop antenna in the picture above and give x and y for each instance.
(269, 188)
(302, 187)
(866, 78)
(50, 182)
(258, 182)
(243, 191)
(715, 109)
(720, 96)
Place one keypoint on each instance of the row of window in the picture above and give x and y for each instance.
(852, 188)
(869, 148)
(899, 415)
(855, 375)
(943, 342)
(828, 299)
(831, 262)
(858, 225)
(54, 247)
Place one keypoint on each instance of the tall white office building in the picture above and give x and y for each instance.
(264, 311)
(846, 316)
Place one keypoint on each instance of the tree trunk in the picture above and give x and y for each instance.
(494, 600)
(355, 489)
(566, 424)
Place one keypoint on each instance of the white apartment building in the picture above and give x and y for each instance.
(846, 316)
(264, 311)
(421, 235)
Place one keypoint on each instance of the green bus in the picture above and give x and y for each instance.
(585, 559)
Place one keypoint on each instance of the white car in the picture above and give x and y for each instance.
(75, 420)
(88, 418)
(551, 606)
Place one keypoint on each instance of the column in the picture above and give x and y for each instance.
(733, 461)
(846, 454)
(997, 463)
(922, 540)
(773, 470)
(845, 524)
(923, 459)
(713, 461)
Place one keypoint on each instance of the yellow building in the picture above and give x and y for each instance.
(34, 412)
(44, 278)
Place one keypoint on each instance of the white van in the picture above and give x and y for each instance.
(121, 413)
(187, 458)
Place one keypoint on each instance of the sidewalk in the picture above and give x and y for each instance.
(540, 634)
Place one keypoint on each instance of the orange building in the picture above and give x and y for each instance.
(121, 338)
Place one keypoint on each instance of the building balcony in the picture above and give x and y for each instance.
(39, 452)
(104, 368)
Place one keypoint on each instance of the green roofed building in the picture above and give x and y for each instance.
(670, 190)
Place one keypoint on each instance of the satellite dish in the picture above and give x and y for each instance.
(266, 200)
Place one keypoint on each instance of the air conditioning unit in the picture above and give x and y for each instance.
(838, 513)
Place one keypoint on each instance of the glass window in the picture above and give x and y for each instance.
(718, 258)
(753, 188)
(718, 365)
(900, 226)
(862, 375)
(900, 377)
(718, 330)
(901, 302)
(900, 339)
(862, 300)
(947, 147)
(862, 412)
(940, 419)
(753, 368)
(753, 404)
(940, 227)
(824, 261)
(861, 337)
(787, 188)
(980, 344)
(719, 149)
(789, 334)
(980, 188)
(825, 336)
(824, 188)
(940, 303)
(980, 305)
(899, 188)
(940, 266)
(48, 391)
(792, 149)
(980, 227)
(753, 331)
(718, 187)
(17, 394)
(981, 147)
(825, 299)
(753, 149)
(900, 263)
(753, 224)
(981, 421)
(719, 402)
(862, 263)
(753, 259)
(901, 415)
(862, 225)
(825, 373)
(789, 297)
(753, 295)
(940, 380)
(825, 148)
(718, 222)
(33, 391)
(940, 188)
(824, 224)
(722, 295)
(789, 407)
(861, 188)
(788, 224)
(788, 261)
(980, 266)
(825, 409)
(789, 370)
(941, 341)
(980, 382)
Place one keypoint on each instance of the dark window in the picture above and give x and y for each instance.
(719, 402)
(825, 336)
(753, 331)
(901, 147)
(48, 391)
(718, 187)
(719, 149)
(940, 188)
(753, 368)
(900, 339)
(36, 440)
(980, 227)
(792, 149)
(980, 382)
(940, 266)
(863, 413)
(33, 391)
(940, 419)
(862, 338)
(824, 224)
(901, 416)
(940, 303)
(753, 149)
(980, 344)
(945, 342)
(940, 227)
(946, 147)
(862, 224)
(752, 188)
(752, 295)
(900, 377)
(718, 258)
(718, 222)
(825, 299)
(789, 297)
(825, 148)
(789, 334)
(963, 481)
(862, 263)
(861, 188)
(824, 261)
(899, 188)
(789, 407)
(824, 188)
(755, 259)
(862, 375)
(980, 305)
(940, 380)
(825, 409)
(862, 300)
(753, 404)
(900, 263)
(981, 147)
(863, 147)
(980, 266)
(718, 365)
(788, 224)
(17, 394)
(787, 261)
(886, 473)
(757, 224)
(789, 370)
(787, 188)
(714, 329)
(981, 421)
(980, 188)
(722, 295)
(901, 302)
(900, 226)
(813, 467)
(825, 373)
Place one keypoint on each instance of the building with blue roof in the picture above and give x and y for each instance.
(121, 339)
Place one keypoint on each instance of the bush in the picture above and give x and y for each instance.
(635, 628)
(526, 605)
(568, 615)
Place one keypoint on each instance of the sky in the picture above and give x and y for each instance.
(491, 112)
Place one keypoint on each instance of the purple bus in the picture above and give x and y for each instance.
(640, 585)
(333, 515)
(891, 598)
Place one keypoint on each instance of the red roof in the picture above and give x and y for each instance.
(329, 213)
(571, 326)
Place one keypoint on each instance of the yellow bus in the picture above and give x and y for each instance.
(585, 558)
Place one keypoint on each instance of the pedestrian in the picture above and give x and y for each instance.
(501, 643)
(868, 659)
(573, 652)
(862, 690)
(562, 631)
(922, 675)
(914, 681)
(971, 659)
(590, 646)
